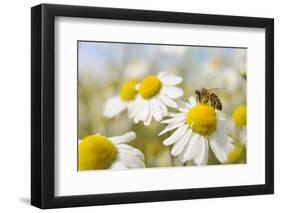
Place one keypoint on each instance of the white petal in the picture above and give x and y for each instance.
(123, 138)
(130, 107)
(218, 150)
(131, 161)
(176, 114)
(170, 80)
(183, 151)
(168, 101)
(172, 92)
(192, 101)
(174, 120)
(201, 156)
(175, 136)
(171, 127)
(183, 106)
(118, 165)
(113, 107)
(205, 160)
(162, 74)
(163, 108)
(135, 108)
(191, 149)
(156, 110)
(181, 155)
(179, 145)
(229, 144)
(148, 119)
(124, 148)
(139, 111)
(223, 126)
(135, 152)
(137, 86)
(224, 141)
(145, 111)
(230, 126)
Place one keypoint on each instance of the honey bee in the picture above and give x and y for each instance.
(205, 96)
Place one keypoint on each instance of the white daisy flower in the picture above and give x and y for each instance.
(100, 152)
(229, 77)
(238, 123)
(121, 102)
(155, 94)
(198, 126)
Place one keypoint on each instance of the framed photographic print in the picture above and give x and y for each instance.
(140, 106)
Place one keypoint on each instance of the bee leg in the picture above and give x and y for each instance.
(213, 104)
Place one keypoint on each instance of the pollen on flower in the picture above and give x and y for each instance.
(150, 87)
(239, 116)
(128, 91)
(96, 152)
(202, 119)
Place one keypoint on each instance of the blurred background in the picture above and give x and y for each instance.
(103, 67)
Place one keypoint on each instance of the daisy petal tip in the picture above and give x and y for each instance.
(146, 124)
(174, 154)
(181, 93)
(131, 135)
(230, 139)
(180, 79)
(165, 143)
(182, 160)
(162, 132)
(232, 147)
(137, 86)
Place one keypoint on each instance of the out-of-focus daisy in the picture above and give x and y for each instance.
(230, 78)
(198, 126)
(238, 123)
(136, 70)
(236, 155)
(123, 101)
(100, 152)
(155, 94)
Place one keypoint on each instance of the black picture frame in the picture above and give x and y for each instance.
(43, 105)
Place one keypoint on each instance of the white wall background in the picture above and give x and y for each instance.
(15, 105)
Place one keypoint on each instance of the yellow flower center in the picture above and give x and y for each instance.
(236, 154)
(202, 119)
(150, 87)
(239, 116)
(128, 91)
(96, 152)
